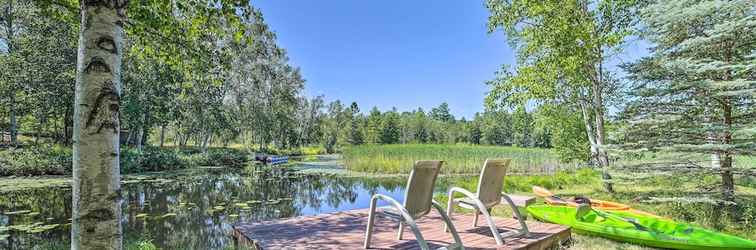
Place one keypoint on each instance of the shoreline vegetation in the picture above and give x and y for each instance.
(459, 158)
(56, 159)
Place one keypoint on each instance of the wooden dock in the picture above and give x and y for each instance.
(346, 230)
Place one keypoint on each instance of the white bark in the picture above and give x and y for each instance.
(96, 179)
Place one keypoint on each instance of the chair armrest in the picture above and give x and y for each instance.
(463, 191)
(405, 214)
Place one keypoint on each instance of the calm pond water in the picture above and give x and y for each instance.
(193, 209)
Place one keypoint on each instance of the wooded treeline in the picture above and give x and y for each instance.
(236, 87)
(348, 125)
(233, 83)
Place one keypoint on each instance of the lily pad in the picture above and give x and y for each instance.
(4, 236)
(168, 215)
(18, 212)
(141, 215)
(219, 208)
(33, 214)
(234, 216)
(273, 202)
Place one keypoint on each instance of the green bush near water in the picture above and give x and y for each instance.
(43, 160)
(398, 158)
(57, 160)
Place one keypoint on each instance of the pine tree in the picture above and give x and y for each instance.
(390, 131)
(695, 93)
(373, 126)
(355, 134)
(442, 113)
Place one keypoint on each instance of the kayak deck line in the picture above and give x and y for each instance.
(346, 230)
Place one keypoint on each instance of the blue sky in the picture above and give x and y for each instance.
(391, 53)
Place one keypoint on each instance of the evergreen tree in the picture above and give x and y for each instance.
(421, 126)
(695, 93)
(442, 113)
(355, 134)
(390, 131)
(373, 126)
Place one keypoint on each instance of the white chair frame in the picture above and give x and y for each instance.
(398, 212)
(474, 202)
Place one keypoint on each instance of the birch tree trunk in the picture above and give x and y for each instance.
(96, 179)
(602, 157)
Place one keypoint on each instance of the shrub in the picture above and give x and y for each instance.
(149, 159)
(46, 160)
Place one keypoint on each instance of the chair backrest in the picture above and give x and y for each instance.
(491, 181)
(419, 193)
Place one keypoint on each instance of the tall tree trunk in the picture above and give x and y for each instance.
(602, 157)
(96, 178)
(162, 135)
(137, 137)
(13, 122)
(589, 130)
(67, 123)
(728, 184)
(595, 147)
(9, 29)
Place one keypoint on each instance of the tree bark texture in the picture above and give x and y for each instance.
(96, 178)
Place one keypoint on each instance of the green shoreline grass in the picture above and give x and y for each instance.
(459, 158)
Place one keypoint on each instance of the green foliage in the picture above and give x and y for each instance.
(56, 160)
(558, 180)
(695, 92)
(459, 158)
(389, 133)
(44, 160)
(567, 132)
(522, 124)
(149, 159)
(441, 113)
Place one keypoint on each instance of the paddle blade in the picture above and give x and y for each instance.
(542, 192)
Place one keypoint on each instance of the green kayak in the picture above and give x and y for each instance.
(639, 229)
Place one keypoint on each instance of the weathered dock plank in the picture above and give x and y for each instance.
(346, 230)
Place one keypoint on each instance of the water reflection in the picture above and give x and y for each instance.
(193, 210)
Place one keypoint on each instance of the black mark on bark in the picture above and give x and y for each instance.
(105, 112)
(106, 43)
(97, 64)
(118, 5)
(99, 215)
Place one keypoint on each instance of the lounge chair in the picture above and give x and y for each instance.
(418, 200)
(488, 195)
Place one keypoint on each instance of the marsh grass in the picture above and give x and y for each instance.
(460, 158)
